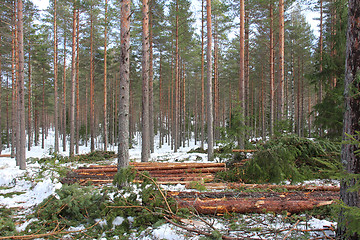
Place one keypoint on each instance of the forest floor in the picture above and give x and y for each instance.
(23, 190)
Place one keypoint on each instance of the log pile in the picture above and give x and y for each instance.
(165, 173)
(253, 202)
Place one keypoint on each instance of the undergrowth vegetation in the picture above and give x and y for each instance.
(288, 158)
(105, 212)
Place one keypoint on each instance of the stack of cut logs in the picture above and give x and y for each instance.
(165, 173)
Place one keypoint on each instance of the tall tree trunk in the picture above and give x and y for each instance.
(105, 79)
(145, 151)
(13, 87)
(209, 84)
(272, 72)
(64, 98)
(21, 100)
(281, 61)
(176, 89)
(123, 148)
(349, 157)
(161, 126)
(73, 84)
(1, 130)
(92, 117)
(56, 105)
(29, 101)
(202, 78)
(43, 110)
(151, 81)
(320, 92)
(242, 65)
(78, 124)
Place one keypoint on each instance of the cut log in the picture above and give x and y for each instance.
(259, 202)
(5, 155)
(251, 205)
(221, 186)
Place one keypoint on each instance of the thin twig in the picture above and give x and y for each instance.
(291, 229)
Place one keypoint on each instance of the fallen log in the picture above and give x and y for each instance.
(221, 186)
(250, 205)
(257, 202)
(5, 155)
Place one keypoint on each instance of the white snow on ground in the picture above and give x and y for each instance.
(24, 190)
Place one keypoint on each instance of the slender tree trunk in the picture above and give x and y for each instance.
(272, 72)
(176, 101)
(73, 85)
(78, 124)
(202, 78)
(242, 65)
(105, 79)
(263, 100)
(161, 127)
(281, 61)
(13, 88)
(92, 117)
(349, 157)
(64, 98)
(145, 152)
(320, 92)
(209, 84)
(29, 101)
(123, 148)
(56, 105)
(21, 100)
(43, 110)
(7, 114)
(1, 130)
(151, 80)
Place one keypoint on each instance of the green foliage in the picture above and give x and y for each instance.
(197, 185)
(289, 158)
(7, 226)
(72, 205)
(350, 216)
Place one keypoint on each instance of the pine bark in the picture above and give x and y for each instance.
(176, 89)
(202, 78)
(242, 65)
(64, 98)
(105, 79)
(92, 112)
(78, 124)
(21, 92)
(209, 104)
(349, 157)
(56, 106)
(29, 101)
(272, 72)
(281, 61)
(73, 84)
(145, 152)
(151, 83)
(13, 88)
(123, 147)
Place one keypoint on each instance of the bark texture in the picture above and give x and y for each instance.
(20, 153)
(209, 86)
(145, 151)
(349, 158)
(123, 148)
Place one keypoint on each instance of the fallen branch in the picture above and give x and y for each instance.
(53, 233)
(244, 150)
(196, 230)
